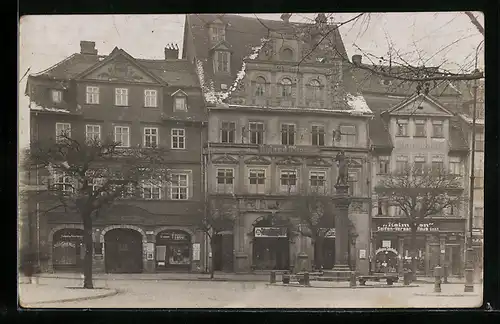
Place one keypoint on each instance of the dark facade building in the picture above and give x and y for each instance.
(397, 105)
(274, 132)
(139, 103)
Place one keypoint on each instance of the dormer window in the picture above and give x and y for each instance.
(221, 61)
(218, 34)
(286, 55)
(180, 100)
(56, 96)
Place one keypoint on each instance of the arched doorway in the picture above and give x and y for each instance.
(324, 250)
(173, 250)
(68, 249)
(123, 251)
(386, 260)
(271, 244)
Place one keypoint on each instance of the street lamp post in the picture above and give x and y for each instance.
(469, 268)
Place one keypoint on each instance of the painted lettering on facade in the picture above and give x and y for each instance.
(286, 149)
(404, 227)
(270, 232)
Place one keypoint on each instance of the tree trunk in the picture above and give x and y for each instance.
(413, 252)
(318, 242)
(87, 261)
(212, 262)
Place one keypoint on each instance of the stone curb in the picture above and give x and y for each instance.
(341, 287)
(113, 292)
(167, 279)
(444, 295)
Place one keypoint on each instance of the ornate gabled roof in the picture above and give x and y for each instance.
(414, 103)
(317, 161)
(257, 160)
(289, 160)
(225, 159)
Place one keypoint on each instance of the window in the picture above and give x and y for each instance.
(150, 137)
(383, 164)
(62, 129)
(260, 87)
(478, 220)
(122, 136)
(347, 136)
(437, 128)
(62, 182)
(318, 135)
(288, 180)
(93, 133)
(382, 206)
(419, 164)
(150, 98)
(256, 133)
(287, 54)
(437, 164)
(455, 166)
(92, 95)
(228, 130)
(402, 127)
(56, 96)
(178, 138)
(180, 103)
(288, 134)
(314, 90)
(222, 62)
(225, 180)
(449, 211)
(218, 34)
(286, 88)
(257, 180)
(401, 164)
(353, 182)
(151, 190)
(479, 142)
(420, 128)
(479, 178)
(317, 180)
(398, 211)
(121, 97)
(179, 186)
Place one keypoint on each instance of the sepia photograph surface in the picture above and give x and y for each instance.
(287, 160)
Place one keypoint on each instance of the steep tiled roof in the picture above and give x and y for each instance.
(458, 141)
(379, 134)
(174, 72)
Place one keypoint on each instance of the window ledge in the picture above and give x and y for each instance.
(122, 106)
(178, 149)
(147, 107)
(437, 137)
(402, 135)
(420, 136)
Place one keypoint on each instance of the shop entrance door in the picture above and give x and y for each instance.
(327, 259)
(271, 253)
(123, 251)
(453, 259)
(223, 252)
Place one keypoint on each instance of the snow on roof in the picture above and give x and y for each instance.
(358, 103)
(468, 119)
(34, 106)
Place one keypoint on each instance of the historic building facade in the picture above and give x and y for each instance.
(274, 132)
(421, 132)
(139, 103)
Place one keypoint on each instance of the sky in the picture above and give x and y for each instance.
(45, 40)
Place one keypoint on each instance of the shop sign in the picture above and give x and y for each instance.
(386, 244)
(174, 236)
(71, 236)
(330, 232)
(362, 254)
(64, 244)
(270, 232)
(286, 149)
(196, 251)
(405, 227)
(477, 232)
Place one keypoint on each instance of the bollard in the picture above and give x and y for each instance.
(437, 279)
(285, 278)
(306, 279)
(445, 274)
(406, 277)
(272, 279)
(352, 283)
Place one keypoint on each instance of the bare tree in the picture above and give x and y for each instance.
(219, 215)
(420, 193)
(87, 177)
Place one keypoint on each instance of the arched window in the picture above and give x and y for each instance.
(260, 87)
(314, 90)
(286, 88)
(287, 55)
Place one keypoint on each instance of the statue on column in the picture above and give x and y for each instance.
(342, 168)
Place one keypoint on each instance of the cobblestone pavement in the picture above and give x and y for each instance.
(213, 294)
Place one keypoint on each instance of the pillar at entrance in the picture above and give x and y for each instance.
(341, 269)
(242, 264)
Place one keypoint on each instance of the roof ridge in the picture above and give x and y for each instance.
(55, 65)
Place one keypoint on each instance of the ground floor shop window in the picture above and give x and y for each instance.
(173, 250)
(68, 250)
(271, 248)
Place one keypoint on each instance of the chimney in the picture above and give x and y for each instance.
(171, 52)
(286, 17)
(87, 47)
(321, 19)
(356, 59)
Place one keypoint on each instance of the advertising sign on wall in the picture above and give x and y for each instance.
(196, 251)
(405, 227)
(270, 232)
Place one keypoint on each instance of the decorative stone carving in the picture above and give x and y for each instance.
(341, 160)
(250, 203)
(320, 162)
(225, 159)
(120, 70)
(257, 160)
(289, 161)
